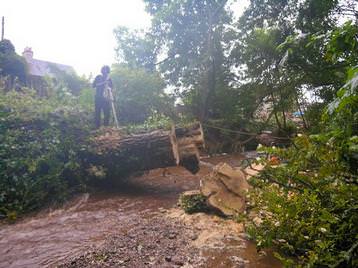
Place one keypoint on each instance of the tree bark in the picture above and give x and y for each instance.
(192, 134)
(122, 155)
(190, 139)
(126, 154)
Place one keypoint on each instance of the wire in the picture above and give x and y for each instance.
(242, 132)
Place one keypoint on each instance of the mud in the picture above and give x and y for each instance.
(133, 226)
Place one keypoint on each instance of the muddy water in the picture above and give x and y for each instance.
(52, 236)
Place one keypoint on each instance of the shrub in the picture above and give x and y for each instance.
(309, 204)
(39, 151)
(193, 203)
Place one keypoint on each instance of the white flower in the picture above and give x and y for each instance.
(259, 146)
(323, 230)
(299, 135)
(306, 237)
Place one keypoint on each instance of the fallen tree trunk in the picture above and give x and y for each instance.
(190, 139)
(189, 157)
(192, 134)
(121, 154)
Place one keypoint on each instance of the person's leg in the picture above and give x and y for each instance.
(106, 112)
(97, 112)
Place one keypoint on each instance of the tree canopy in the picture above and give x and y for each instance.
(10, 63)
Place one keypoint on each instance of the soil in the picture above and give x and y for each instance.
(137, 224)
(151, 242)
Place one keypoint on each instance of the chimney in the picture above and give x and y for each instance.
(28, 54)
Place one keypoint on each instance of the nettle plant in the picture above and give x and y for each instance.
(309, 203)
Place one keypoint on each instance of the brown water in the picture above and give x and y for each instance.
(52, 236)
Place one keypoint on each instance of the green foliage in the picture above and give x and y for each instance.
(192, 35)
(193, 203)
(309, 204)
(11, 64)
(343, 44)
(153, 122)
(68, 80)
(39, 150)
(6, 47)
(287, 46)
(158, 121)
(135, 48)
(138, 93)
(86, 99)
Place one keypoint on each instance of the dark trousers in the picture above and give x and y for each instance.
(101, 104)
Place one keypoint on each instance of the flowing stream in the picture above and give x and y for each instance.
(50, 237)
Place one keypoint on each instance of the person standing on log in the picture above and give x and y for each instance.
(102, 83)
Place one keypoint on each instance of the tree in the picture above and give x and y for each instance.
(68, 80)
(11, 65)
(135, 48)
(192, 35)
(139, 93)
(279, 44)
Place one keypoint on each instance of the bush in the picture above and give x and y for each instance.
(309, 205)
(138, 93)
(39, 151)
(193, 203)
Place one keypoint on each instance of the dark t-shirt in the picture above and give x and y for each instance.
(99, 84)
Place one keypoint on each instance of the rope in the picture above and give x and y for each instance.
(230, 130)
(243, 133)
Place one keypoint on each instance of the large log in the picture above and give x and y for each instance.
(189, 157)
(190, 139)
(121, 154)
(192, 134)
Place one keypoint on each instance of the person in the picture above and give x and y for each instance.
(102, 102)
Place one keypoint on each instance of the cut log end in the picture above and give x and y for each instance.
(123, 154)
(192, 134)
(189, 158)
(174, 143)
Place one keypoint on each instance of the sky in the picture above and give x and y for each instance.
(73, 32)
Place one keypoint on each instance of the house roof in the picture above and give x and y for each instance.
(43, 68)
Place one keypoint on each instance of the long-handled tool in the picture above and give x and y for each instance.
(108, 94)
(113, 108)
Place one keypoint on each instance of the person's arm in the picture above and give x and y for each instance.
(95, 82)
(110, 84)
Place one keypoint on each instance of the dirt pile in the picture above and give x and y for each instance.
(152, 242)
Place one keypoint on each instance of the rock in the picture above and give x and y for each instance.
(177, 261)
(225, 188)
(172, 247)
(193, 237)
(172, 235)
(168, 258)
(162, 210)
